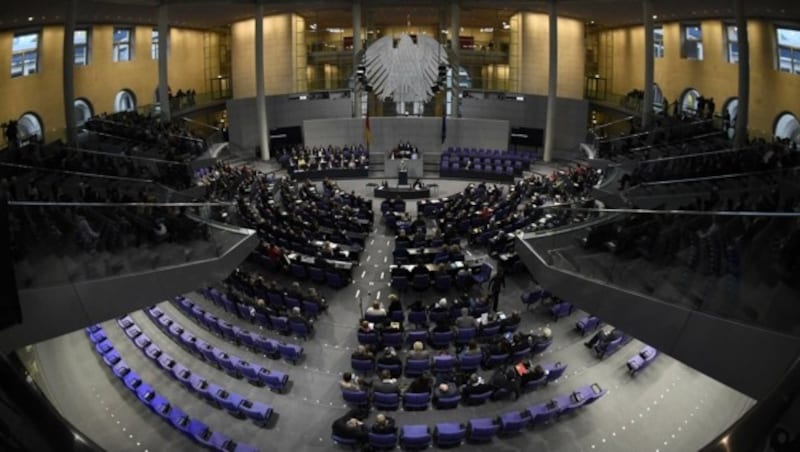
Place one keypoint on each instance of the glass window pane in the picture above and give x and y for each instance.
(80, 56)
(80, 37)
(22, 43)
(788, 37)
(121, 35)
(733, 33)
(693, 33)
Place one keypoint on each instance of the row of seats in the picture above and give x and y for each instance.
(481, 430)
(216, 395)
(270, 347)
(522, 156)
(230, 364)
(160, 405)
(420, 401)
(279, 323)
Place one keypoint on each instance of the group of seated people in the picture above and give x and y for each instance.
(298, 158)
(268, 298)
(404, 151)
(172, 139)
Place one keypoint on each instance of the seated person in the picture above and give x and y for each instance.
(519, 343)
(402, 239)
(314, 297)
(296, 317)
(500, 346)
(475, 385)
(389, 358)
(444, 390)
(442, 326)
(511, 321)
(386, 384)
(384, 424)
(350, 426)
(440, 307)
(603, 338)
(418, 351)
(528, 372)
(505, 380)
(543, 336)
(472, 349)
(394, 304)
(350, 382)
(490, 321)
(466, 320)
(365, 327)
(420, 269)
(363, 353)
(421, 384)
(417, 306)
(376, 310)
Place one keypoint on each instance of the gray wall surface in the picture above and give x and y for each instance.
(424, 133)
(281, 112)
(571, 122)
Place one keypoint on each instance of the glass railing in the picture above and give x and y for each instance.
(741, 266)
(60, 243)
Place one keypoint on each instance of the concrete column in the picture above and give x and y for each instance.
(261, 108)
(163, 63)
(649, 62)
(455, 30)
(552, 85)
(356, 53)
(69, 72)
(740, 132)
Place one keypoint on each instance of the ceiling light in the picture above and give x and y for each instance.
(334, 30)
(487, 30)
(655, 16)
(30, 19)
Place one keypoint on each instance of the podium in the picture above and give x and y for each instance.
(402, 177)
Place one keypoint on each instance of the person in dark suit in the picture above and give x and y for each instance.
(466, 320)
(421, 384)
(476, 385)
(387, 384)
(350, 426)
(384, 424)
(603, 338)
(296, 317)
(444, 390)
(389, 358)
(496, 285)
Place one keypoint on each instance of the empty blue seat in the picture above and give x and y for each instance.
(259, 412)
(512, 422)
(399, 283)
(441, 339)
(587, 324)
(386, 401)
(642, 359)
(481, 430)
(418, 318)
(561, 309)
(335, 280)
(298, 271)
(392, 339)
(479, 398)
(355, 398)
(444, 364)
(416, 400)
(415, 437)
(363, 366)
(382, 441)
(290, 352)
(469, 362)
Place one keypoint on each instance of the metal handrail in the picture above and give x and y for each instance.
(75, 173)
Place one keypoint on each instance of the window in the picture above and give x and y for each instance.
(689, 101)
(81, 41)
(692, 37)
(123, 44)
(732, 43)
(788, 50)
(658, 42)
(154, 45)
(29, 128)
(83, 111)
(125, 101)
(25, 54)
(787, 127)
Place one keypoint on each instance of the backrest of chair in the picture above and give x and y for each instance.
(382, 440)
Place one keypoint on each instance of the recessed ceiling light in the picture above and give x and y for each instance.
(30, 19)
(655, 16)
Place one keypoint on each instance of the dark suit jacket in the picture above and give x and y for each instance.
(386, 387)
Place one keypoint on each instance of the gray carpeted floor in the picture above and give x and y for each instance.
(669, 406)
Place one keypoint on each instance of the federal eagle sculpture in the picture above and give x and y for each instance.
(405, 71)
